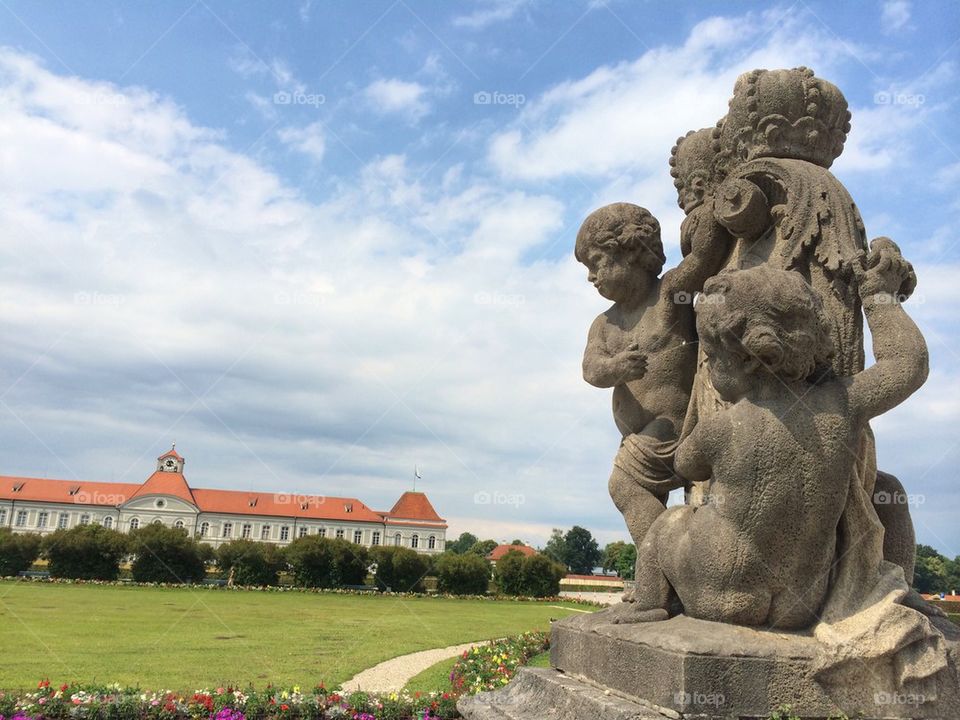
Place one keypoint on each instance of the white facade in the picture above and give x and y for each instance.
(94, 503)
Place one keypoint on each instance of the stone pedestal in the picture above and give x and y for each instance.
(688, 668)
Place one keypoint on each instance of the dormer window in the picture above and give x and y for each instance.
(252, 502)
(348, 507)
(74, 489)
(18, 487)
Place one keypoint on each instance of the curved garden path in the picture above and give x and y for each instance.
(391, 675)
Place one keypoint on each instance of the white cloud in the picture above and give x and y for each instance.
(392, 95)
(490, 12)
(895, 15)
(309, 140)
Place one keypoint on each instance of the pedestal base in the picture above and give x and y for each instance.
(688, 668)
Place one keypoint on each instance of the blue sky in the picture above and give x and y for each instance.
(319, 243)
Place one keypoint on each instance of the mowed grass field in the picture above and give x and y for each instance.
(183, 639)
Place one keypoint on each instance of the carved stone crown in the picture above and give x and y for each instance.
(786, 114)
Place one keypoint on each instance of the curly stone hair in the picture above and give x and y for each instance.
(771, 315)
(626, 228)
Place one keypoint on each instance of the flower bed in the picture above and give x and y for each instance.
(485, 667)
(491, 666)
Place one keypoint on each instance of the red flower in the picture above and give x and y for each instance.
(44, 684)
(63, 688)
(284, 707)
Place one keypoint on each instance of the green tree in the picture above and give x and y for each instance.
(611, 555)
(483, 547)
(508, 573)
(322, 563)
(399, 569)
(86, 552)
(17, 551)
(542, 576)
(462, 544)
(467, 574)
(165, 554)
(556, 548)
(627, 562)
(252, 563)
(583, 553)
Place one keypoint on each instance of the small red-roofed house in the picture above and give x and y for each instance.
(216, 516)
(500, 550)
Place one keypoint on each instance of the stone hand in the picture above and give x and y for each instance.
(885, 271)
(630, 364)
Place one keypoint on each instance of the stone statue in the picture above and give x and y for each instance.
(784, 579)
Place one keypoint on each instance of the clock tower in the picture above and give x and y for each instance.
(170, 461)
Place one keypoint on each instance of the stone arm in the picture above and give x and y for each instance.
(692, 461)
(709, 246)
(599, 368)
(902, 361)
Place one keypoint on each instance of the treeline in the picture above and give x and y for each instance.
(935, 573)
(161, 554)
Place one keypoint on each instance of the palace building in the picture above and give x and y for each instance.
(216, 516)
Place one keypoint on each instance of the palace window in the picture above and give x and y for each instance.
(84, 519)
(322, 532)
(134, 523)
(304, 531)
(21, 518)
(246, 530)
(397, 540)
(108, 522)
(227, 529)
(63, 521)
(339, 533)
(42, 518)
(3, 516)
(265, 532)
(204, 529)
(284, 533)
(376, 538)
(179, 524)
(357, 537)
(432, 543)
(414, 541)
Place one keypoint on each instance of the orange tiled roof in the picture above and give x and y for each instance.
(411, 509)
(79, 492)
(413, 506)
(500, 550)
(172, 452)
(284, 505)
(166, 483)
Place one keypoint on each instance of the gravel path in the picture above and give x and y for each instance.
(392, 675)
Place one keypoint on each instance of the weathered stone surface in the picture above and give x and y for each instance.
(696, 667)
(544, 694)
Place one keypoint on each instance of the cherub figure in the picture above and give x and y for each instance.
(643, 347)
(781, 454)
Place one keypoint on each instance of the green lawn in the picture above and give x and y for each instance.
(182, 639)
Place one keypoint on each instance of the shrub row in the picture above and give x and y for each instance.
(535, 576)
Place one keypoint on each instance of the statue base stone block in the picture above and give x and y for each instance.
(695, 669)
